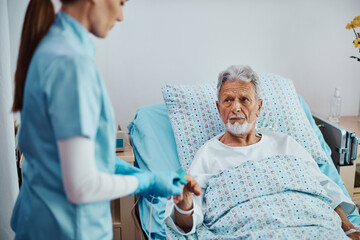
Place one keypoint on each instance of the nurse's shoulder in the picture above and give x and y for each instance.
(66, 44)
(58, 59)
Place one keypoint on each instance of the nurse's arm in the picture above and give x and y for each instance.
(83, 182)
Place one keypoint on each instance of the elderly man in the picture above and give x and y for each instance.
(256, 184)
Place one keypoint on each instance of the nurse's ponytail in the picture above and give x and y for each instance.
(40, 14)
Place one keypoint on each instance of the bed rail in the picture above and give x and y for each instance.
(342, 141)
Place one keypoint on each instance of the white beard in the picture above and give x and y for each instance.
(239, 129)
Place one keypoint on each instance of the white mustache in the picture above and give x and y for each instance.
(236, 117)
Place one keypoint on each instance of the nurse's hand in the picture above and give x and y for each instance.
(160, 184)
(125, 168)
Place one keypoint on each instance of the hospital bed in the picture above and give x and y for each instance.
(154, 130)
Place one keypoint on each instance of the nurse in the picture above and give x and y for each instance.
(70, 172)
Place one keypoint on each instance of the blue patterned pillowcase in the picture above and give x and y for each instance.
(195, 118)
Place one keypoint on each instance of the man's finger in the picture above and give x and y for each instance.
(193, 185)
(178, 198)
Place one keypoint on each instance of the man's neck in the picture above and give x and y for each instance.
(241, 140)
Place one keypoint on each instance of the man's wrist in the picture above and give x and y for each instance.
(347, 225)
(186, 205)
(184, 212)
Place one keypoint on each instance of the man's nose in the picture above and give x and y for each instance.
(236, 106)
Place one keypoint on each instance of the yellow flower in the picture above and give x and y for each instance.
(357, 43)
(354, 23)
(349, 26)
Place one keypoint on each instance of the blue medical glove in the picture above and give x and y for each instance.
(160, 184)
(124, 168)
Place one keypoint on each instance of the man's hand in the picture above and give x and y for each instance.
(346, 225)
(354, 236)
(184, 202)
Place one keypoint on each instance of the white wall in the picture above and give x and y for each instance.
(191, 41)
(16, 14)
(9, 187)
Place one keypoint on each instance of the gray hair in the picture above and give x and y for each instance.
(239, 73)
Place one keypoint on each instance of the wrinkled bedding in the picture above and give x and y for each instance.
(275, 198)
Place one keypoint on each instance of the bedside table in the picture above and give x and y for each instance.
(123, 224)
(348, 173)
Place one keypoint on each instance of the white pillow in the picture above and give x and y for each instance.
(195, 118)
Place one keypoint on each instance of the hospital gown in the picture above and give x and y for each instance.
(214, 157)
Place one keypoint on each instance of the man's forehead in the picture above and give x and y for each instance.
(241, 87)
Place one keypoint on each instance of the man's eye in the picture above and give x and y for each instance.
(227, 100)
(244, 99)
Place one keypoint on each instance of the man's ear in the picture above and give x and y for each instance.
(218, 106)
(259, 107)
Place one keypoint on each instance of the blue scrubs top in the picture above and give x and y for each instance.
(64, 97)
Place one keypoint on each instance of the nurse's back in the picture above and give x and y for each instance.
(56, 54)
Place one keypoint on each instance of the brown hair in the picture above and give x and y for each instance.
(40, 14)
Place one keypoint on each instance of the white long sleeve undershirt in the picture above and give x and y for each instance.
(83, 182)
